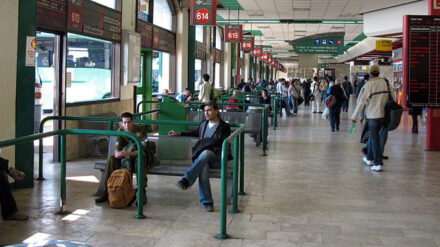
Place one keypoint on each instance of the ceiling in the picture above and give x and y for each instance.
(303, 10)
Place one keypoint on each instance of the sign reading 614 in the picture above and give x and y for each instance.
(203, 16)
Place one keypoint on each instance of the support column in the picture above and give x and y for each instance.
(182, 50)
(251, 66)
(233, 66)
(25, 94)
(247, 67)
(227, 61)
(191, 54)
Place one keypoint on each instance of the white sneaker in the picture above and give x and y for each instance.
(367, 162)
(376, 168)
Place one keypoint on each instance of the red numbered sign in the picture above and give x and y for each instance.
(263, 57)
(257, 52)
(247, 45)
(233, 35)
(202, 16)
(76, 17)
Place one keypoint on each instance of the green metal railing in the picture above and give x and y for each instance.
(110, 122)
(62, 134)
(238, 169)
(243, 104)
(274, 99)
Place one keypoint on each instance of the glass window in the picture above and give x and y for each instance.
(162, 16)
(218, 38)
(89, 67)
(197, 73)
(217, 75)
(161, 71)
(109, 3)
(199, 33)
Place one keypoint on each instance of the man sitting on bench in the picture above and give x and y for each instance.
(206, 153)
(125, 153)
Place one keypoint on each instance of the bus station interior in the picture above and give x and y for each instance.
(311, 189)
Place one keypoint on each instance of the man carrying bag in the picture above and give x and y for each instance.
(376, 96)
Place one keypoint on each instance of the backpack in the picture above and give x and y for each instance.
(393, 111)
(330, 101)
(120, 189)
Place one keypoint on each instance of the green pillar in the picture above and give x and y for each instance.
(251, 64)
(25, 96)
(191, 56)
(267, 72)
(146, 89)
(232, 65)
(271, 72)
(260, 71)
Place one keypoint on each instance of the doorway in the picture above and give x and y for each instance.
(47, 87)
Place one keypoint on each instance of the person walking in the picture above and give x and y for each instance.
(335, 110)
(374, 96)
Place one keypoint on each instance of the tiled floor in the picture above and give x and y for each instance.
(311, 190)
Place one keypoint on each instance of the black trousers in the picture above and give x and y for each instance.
(6, 199)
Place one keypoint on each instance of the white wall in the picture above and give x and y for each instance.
(392, 17)
(8, 72)
(128, 23)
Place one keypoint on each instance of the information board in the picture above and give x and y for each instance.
(323, 43)
(92, 19)
(164, 40)
(145, 29)
(203, 12)
(421, 59)
(51, 14)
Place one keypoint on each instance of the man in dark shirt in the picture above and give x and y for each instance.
(348, 89)
(206, 153)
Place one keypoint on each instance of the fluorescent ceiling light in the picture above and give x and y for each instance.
(248, 21)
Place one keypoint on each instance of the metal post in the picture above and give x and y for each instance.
(40, 155)
(275, 113)
(264, 131)
(242, 164)
(63, 206)
(235, 177)
(140, 182)
(224, 164)
(110, 125)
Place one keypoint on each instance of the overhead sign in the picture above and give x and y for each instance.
(51, 14)
(421, 44)
(203, 12)
(233, 33)
(263, 57)
(248, 44)
(89, 18)
(269, 58)
(384, 45)
(256, 52)
(323, 43)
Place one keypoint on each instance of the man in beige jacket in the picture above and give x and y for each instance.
(205, 90)
(375, 94)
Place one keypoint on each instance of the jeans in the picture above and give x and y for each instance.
(383, 135)
(6, 199)
(294, 102)
(375, 148)
(200, 169)
(286, 105)
(335, 116)
(323, 95)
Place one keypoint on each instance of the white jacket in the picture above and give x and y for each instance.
(205, 92)
(376, 103)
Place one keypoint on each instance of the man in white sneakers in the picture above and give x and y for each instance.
(375, 95)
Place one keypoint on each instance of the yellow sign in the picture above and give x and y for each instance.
(384, 45)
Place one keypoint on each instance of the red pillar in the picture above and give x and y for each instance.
(433, 118)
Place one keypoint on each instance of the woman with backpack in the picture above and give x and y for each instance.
(337, 92)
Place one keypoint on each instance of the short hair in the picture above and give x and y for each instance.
(211, 103)
(205, 77)
(127, 115)
(366, 77)
(345, 77)
(264, 90)
(186, 89)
